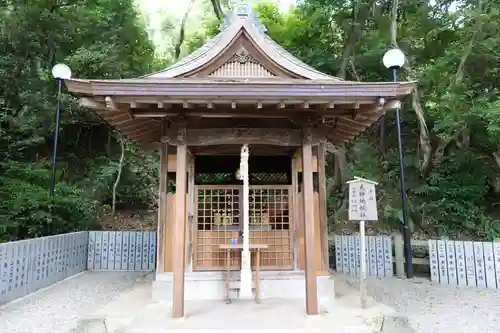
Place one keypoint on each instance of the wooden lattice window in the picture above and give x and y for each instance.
(269, 178)
(270, 224)
(219, 221)
(214, 178)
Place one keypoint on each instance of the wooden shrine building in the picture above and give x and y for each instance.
(241, 89)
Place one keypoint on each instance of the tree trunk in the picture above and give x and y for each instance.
(425, 143)
(108, 144)
(118, 176)
(360, 15)
(216, 5)
(182, 30)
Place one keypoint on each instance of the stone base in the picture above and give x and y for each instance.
(274, 284)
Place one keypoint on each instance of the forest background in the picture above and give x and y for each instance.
(451, 123)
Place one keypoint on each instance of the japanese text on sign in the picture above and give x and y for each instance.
(362, 201)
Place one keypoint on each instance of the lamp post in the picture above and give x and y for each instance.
(394, 59)
(60, 72)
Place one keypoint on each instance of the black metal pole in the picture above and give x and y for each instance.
(56, 136)
(406, 227)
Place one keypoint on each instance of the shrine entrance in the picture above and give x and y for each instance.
(218, 213)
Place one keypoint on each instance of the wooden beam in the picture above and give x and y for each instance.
(110, 104)
(308, 210)
(91, 104)
(209, 114)
(351, 123)
(148, 134)
(344, 132)
(150, 130)
(329, 105)
(247, 101)
(123, 119)
(263, 136)
(138, 129)
(162, 208)
(259, 111)
(132, 123)
(303, 106)
(179, 228)
(323, 219)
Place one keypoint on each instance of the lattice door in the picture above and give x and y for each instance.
(270, 224)
(219, 220)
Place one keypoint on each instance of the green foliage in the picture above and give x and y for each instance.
(97, 39)
(451, 52)
(26, 210)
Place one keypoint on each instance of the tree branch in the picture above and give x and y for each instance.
(477, 28)
(182, 31)
(394, 24)
(216, 5)
(360, 14)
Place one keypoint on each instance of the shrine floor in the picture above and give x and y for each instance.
(110, 302)
(135, 312)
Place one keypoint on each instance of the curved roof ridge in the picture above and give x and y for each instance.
(242, 17)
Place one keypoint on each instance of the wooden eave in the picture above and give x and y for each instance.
(139, 114)
(238, 89)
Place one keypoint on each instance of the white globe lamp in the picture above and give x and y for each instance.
(61, 72)
(394, 58)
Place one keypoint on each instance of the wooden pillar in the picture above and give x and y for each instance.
(308, 193)
(162, 208)
(295, 212)
(191, 213)
(179, 227)
(323, 219)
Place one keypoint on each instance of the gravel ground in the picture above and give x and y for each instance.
(433, 308)
(57, 309)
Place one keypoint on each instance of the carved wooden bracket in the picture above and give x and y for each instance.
(225, 136)
(307, 135)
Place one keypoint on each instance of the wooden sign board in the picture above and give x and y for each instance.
(362, 200)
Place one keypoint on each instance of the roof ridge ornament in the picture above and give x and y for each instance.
(242, 11)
